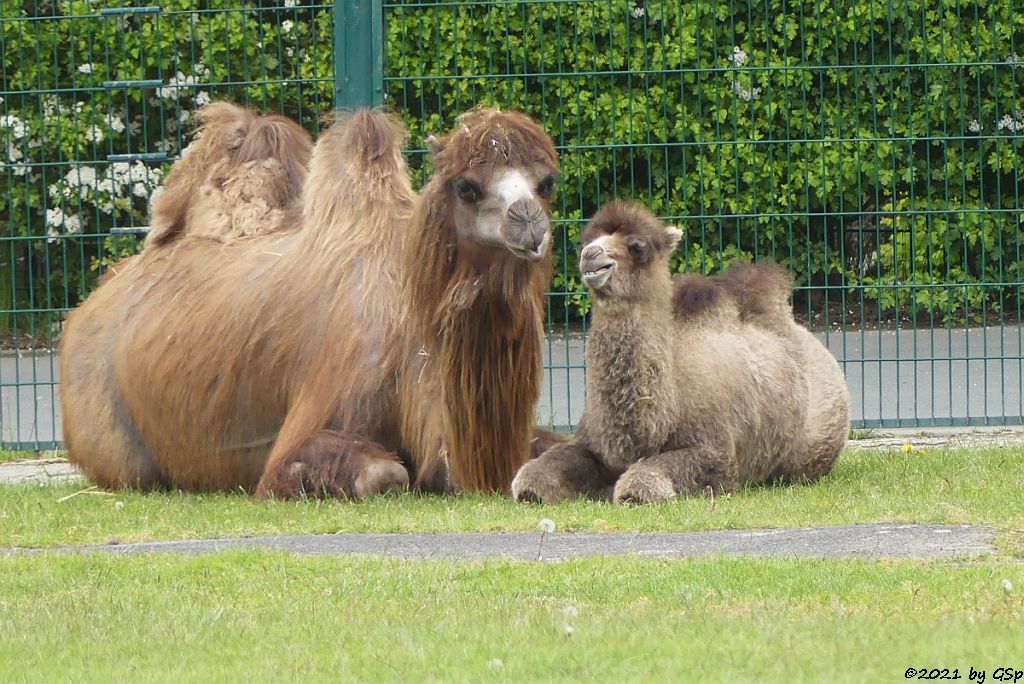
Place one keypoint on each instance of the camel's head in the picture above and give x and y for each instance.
(622, 246)
(499, 171)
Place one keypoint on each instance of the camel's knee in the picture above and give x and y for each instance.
(566, 471)
(333, 464)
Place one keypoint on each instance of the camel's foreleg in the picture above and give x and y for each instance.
(333, 464)
(567, 470)
(685, 471)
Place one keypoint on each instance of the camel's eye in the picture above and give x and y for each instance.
(546, 187)
(468, 190)
(637, 249)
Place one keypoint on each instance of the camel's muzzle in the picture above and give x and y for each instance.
(595, 266)
(528, 230)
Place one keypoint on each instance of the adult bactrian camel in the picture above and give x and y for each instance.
(702, 382)
(395, 338)
(241, 176)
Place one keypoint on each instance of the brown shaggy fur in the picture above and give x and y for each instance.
(697, 382)
(241, 176)
(312, 361)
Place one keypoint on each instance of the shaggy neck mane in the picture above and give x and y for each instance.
(630, 356)
(484, 334)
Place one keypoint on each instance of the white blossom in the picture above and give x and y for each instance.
(140, 190)
(745, 94)
(81, 176)
(13, 124)
(116, 124)
(14, 154)
(973, 126)
(286, 26)
(94, 134)
(171, 91)
(1015, 60)
(202, 98)
(639, 12)
(86, 68)
(289, 51)
(51, 105)
(54, 217)
(289, 3)
(201, 70)
(1013, 124)
(739, 56)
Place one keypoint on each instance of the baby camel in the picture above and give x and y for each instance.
(697, 382)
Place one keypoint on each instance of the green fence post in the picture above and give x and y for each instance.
(358, 53)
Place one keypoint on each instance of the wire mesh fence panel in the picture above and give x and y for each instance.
(873, 148)
(98, 100)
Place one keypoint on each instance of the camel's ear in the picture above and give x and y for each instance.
(434, 144)
(674, 235)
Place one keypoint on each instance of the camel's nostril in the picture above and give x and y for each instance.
(526, 210)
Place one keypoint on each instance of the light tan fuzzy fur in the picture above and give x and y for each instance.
(693, 383)
(206, 364)
(242, 176)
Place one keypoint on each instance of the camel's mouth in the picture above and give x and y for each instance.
(596, 275)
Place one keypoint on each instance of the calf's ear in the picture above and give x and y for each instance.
(674, 235)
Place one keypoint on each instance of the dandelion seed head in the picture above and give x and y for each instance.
(546, 525)
(1007, 586)
(119, 505)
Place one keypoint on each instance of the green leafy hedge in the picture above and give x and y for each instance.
(873, 147)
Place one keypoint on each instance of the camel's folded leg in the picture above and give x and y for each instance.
(682, 471)
(333, 464)
(567, 470)
(543, 440)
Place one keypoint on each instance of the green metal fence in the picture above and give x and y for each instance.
(872, 147)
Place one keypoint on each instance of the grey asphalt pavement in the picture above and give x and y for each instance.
(930, 375)
(874, 541)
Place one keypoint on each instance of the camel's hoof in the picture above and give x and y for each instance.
(382, 477)
(638, 485)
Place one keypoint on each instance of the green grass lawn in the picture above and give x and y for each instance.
(269, 616)
(982, 486)
(260, 616)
